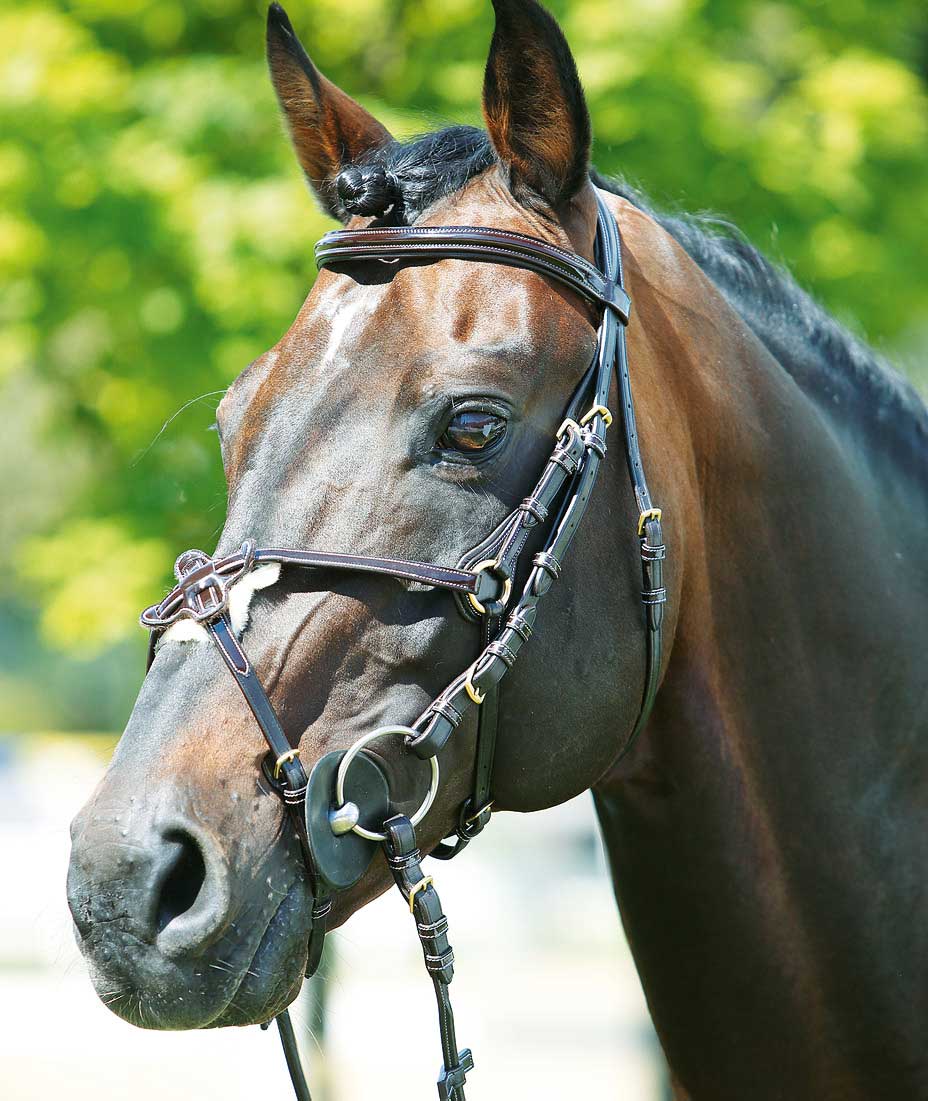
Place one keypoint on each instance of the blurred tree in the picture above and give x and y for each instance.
(155, 236)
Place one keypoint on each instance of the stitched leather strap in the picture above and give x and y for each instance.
(575, 461)
(481, 243)
(404, 857)
(440, 577)
(202, 591)
(245, 677)
(292, 1055)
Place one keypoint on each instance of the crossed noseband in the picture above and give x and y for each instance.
(342, 811)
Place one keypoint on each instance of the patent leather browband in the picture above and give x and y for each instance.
(490, 246)
(492, 587)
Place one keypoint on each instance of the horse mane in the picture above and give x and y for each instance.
(826, 360)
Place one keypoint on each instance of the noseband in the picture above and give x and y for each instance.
(336, 846)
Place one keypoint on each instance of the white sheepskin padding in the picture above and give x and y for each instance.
(184, 630)
(240, 597)
(241, 593)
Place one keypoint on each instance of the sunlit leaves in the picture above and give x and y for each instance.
(50, 64)
(95, 577)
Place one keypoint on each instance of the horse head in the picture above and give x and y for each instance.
(405, 414)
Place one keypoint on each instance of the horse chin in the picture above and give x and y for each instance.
(240, 983)
(275, 975)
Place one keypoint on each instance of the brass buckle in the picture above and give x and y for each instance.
(471, 689)
(417, 887)
(489, 564)
(648, 514)
(485, 809)
(290, 755)
(597, 409)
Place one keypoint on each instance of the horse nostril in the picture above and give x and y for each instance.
(184, 881)
(190, 900)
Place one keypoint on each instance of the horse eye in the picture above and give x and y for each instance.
(473, 431)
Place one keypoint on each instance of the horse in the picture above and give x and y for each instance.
(766, 832)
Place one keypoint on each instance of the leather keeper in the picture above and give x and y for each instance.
(502, 651)
(547, 562)
(433, 739)
(448, 711)
(594, 443)
(535, 509)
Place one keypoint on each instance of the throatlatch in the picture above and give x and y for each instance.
(342, 811)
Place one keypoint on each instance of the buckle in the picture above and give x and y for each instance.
(290, 755)
(472, 818)
(568, 422)
(422, 885)
(648, 514)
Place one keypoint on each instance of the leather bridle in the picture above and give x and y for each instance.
(336, 846)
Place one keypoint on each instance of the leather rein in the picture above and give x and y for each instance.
(337, 846)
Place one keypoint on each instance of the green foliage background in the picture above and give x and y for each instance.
(155, 236)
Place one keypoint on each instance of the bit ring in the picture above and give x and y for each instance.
(354, 750)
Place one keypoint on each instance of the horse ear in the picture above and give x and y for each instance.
(328, 129)
(534, 107)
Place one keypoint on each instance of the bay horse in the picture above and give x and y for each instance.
(768, 831)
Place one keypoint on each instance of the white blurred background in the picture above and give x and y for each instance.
(547, 999)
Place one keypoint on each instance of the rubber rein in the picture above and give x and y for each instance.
(338, 844)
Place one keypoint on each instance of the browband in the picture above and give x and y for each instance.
(491, 246)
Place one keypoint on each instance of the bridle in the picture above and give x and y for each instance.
(336, 846)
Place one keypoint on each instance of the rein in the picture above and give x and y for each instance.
(336, 846)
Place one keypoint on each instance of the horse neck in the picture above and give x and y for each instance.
(777, 779)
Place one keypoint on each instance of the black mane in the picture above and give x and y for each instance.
(825, 359)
